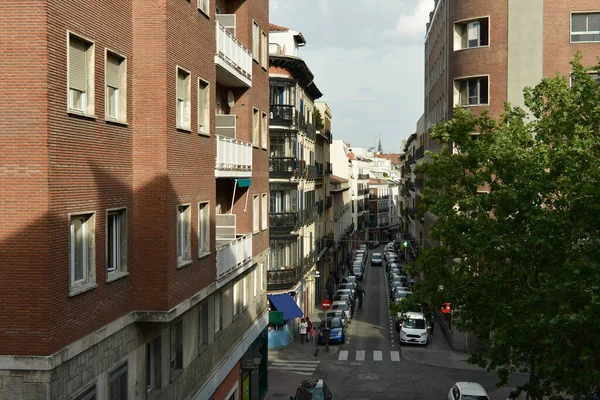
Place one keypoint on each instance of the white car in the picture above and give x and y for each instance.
(413, 329)
(341, 306)
(467, 390)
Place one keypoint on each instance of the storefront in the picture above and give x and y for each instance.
(282, 319)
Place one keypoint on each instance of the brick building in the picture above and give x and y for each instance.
(481, 54)
(134, 235)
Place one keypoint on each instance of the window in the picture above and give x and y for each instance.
(183, 99)
(261, 274)
(585, 27)
(472, 91)
(203, 6)
(244, 282)
(82, 251)
(117, 383)
(255, 213)
(218, 304)
(264, 130)
(255, 39)
(153, 364)
(255, 127)
(203, 228)
(594, 74)
(88, 394)
(203, 107)
(81, 75)
(203, 324)
(176, 349)
(183, 234)
(264, 45)
(236, 297)
(116, 241)
(471, 34)
(265, 212)
(116, 87)
(254, 282)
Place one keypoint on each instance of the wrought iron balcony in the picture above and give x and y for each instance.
(329, 169)
(233, 59)
(320, 206)
(283, 114)
(309, 215)
(420, 152)
(284, 221)
(285, 278)
(320, 170)
(312, 171)
(410, 186)
(286, 167)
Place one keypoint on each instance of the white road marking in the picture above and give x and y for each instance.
(343, 355)
(377, 355)
(360, 355)
(395, 355)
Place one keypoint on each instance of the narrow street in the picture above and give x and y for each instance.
(372, 365)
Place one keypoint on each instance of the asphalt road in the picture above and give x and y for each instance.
(372, 365)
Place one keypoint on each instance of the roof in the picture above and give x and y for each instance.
(299, 70)
(395, 158)
(351, 156)
(337, 179)
(471, 388)
(277, 28)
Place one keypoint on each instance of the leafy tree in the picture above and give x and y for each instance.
(319, 125)
(518, 218)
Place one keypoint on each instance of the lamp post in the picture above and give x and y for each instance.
(251, 366)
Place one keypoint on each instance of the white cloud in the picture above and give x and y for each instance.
(414, 24)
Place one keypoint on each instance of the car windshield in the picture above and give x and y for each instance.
(335, 314)
(474, 397)
(350, 279)
(334, 323)
(340, 306)
(356, 269)
(412, 323)
(376, 257)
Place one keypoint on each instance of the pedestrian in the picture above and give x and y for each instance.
(432, 322)
(303, 327)
(360, 292)
(309, 327)
(326, 332)
(313, 334)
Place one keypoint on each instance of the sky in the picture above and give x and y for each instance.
(367, 57)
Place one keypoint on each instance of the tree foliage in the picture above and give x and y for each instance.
(518, 217)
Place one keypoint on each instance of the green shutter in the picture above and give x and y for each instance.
(77, 64)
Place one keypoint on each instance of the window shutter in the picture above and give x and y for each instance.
(77, 64)
(112, 71)
(181, 86)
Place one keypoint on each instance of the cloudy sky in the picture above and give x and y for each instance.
(367, 58)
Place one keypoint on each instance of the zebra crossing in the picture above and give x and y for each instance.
(375, 355)
(297, 366)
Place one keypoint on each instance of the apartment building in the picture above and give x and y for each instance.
(136, 202)
(344, 234)
(481, 54)
(360, 163)
(389, 168)
(298, 182)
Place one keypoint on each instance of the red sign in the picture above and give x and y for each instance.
(326, 304)
(446, 308)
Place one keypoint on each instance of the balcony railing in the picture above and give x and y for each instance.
(287, 167)
(283, 114)
(309, 215)
(320, 206)
(281, 278)
(410, 186)
(329, 168)
(329, 201)
(306, 127)
(411, 160)
(284, 221)
(420, 152)
(363, 176)
(312, 171)
(320, 169)
(234, 157)
(233, 255)
(233, 58)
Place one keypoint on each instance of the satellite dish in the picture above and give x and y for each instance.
(230, 98)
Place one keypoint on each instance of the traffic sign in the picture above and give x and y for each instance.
(326, 304)
(446, 308)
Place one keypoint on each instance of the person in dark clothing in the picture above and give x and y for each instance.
(360, 293)
(432, 322)
(326, 333)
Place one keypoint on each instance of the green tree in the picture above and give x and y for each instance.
(518, 218)
(319, 125)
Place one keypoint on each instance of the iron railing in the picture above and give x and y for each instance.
(283, 114)
(286, 167)
(420, 152)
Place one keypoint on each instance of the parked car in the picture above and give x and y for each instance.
(342, 297)
(312, 389)
(349, 286)
(357, 271)
(400, 316)
(345, 291)
(341, 306)
(363, 247)
(413, 329)
(399, 292)
(337, 314)
(350, 279)
(337, 334)
(376, 259)
(467, 391)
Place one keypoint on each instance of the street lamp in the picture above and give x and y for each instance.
(256, 360)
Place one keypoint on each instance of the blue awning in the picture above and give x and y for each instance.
(286, 304)
(244, 182)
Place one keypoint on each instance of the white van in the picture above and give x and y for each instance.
(413, 328)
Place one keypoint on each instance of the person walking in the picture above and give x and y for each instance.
(308, 329)
(303, 328)
(432, 321)
(360, 293)
(326, 333)
(313, 334)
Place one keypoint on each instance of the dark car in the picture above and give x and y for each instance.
(337, 334)
(312, 389)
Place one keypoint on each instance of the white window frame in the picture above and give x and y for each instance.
(255, 40)
(183, 100)
(203, 228)
(116, 375)
(121, 91)
(462, 30)
(88, 393)
(255, 213)
(264, 130)
(218, 311)
(261, 275)
(264, 45)
(587, 31)
(87, 92)
(203, 106)
(457, 90)
(184, 226)
(255, 127)
(204, 6)
(153, 365)
(234, 393)
(244, 281)
(264, 211)
(235, 297)
(255, 282)
(88, 252)
(119, 237)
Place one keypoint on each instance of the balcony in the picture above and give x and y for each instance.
(234, 61)
(309, 215)
(329, 168)
(286, 167)
(410, 186)
(363, 176)
(283, 114)
(329, 201)
(234, 157)
(286, 278)
(284, 222)
(312, 172)
(320, 170)
(309, 130)
(411, 213)
(233, 250)
(420, 152)
(320, 206)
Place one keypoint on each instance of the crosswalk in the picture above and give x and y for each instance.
(297, 366)
(375, 355)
